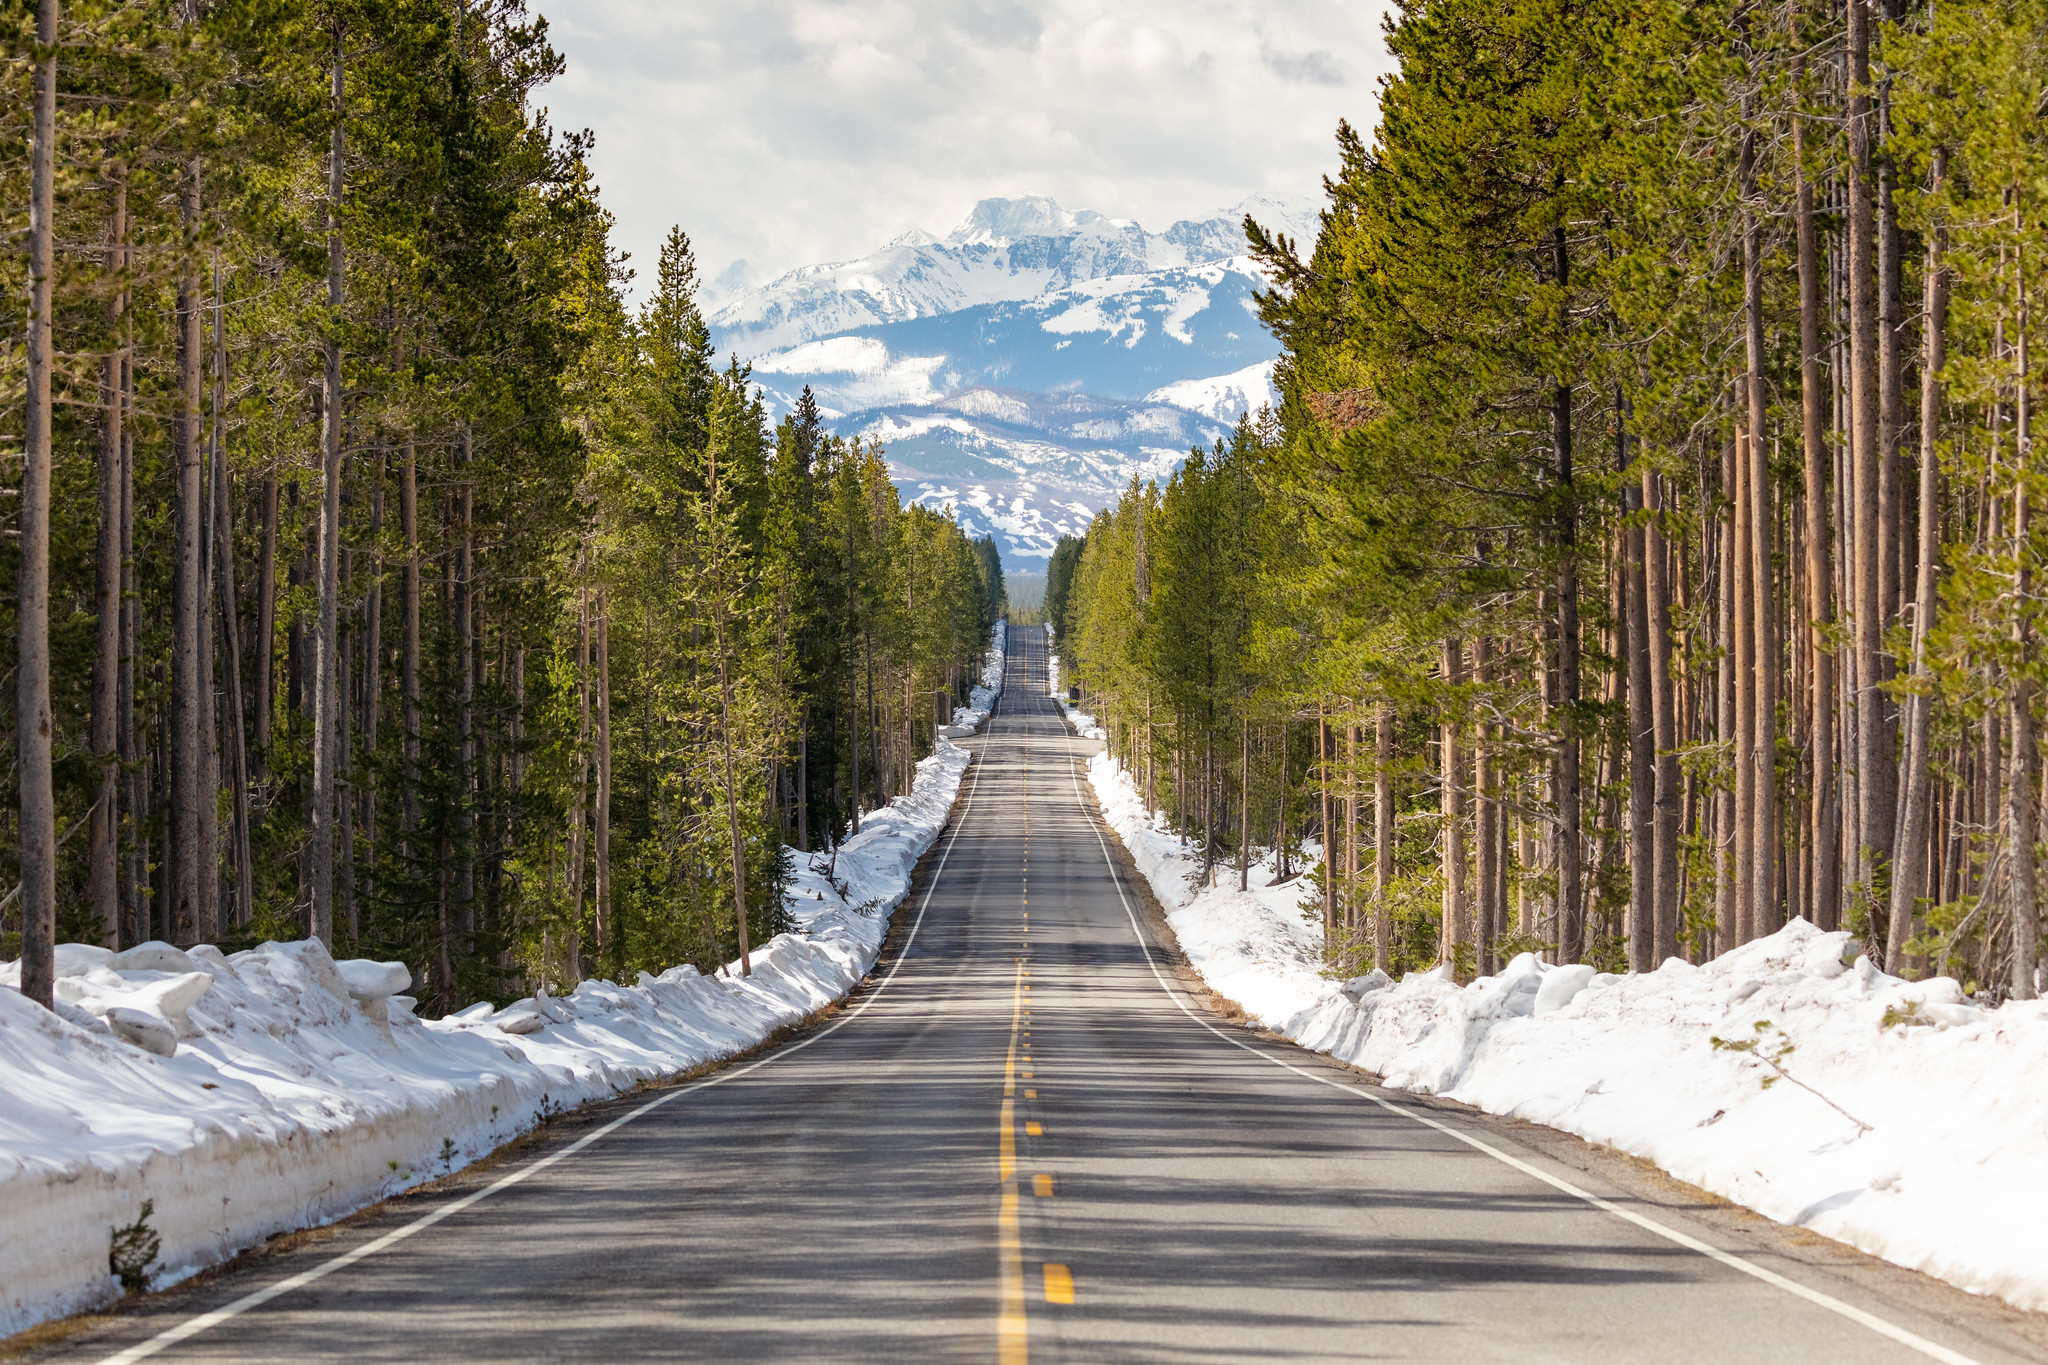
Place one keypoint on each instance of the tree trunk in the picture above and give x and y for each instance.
(189, 866)
(607, 931)
(1571, 926)
(1488, 867)
(32, 582)
(1327, 835)
(1763, 913)
(1244, 803)
(1872, 759)
(266, 626)
(103, 850)
(243, 902)
(1825, 898)
(326, 730)
(409, 654)
(465, 687)
(1383, 834)
(2020, 801)
(1742, 567)
(135, 865)
(1909, 869)
(1668, 799)
(1456, 928)
(1642, 747)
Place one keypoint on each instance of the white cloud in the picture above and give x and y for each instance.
(789, 132)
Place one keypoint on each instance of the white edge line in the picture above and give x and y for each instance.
(1933, 1350)
(193, 1326)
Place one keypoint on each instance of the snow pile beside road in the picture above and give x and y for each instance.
(297, 1089)
(1946, 1179)
(981, 702)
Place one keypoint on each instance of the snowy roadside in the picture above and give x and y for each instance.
(1946, 1179)
(293, 1089)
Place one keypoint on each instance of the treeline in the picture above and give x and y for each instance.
(381, 574)
(1644, 550)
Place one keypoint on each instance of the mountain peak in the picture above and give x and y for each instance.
(1007, 220)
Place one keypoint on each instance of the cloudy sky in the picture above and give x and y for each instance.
(788, 132)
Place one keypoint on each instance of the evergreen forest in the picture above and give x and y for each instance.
(381, 572)
(1643, 550)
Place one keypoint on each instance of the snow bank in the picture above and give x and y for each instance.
(1946, 1179)
(297, 1089)
(982, 700)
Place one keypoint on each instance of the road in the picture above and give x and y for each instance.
(1025, 1140)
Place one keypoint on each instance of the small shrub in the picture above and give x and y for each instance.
(134, 1250)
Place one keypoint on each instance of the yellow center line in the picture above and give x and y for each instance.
(1011, 1348)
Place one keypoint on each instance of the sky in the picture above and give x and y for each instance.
(793, 132)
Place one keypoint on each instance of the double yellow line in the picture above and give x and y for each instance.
(1011, 1348)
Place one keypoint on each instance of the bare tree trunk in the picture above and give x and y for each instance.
(1667, 803)
(1328, 835)
(465, 687)
(1763, 917)
(577, 851)
(803, 783)
(103, 851)
(1909, 868)
(1866, 458)
(373, 655)
(1741, 567)
(326, 730)
(2020, 800)
(1824, 817)
(1244, 803)
(135, 865)
(266, 626)
(1455, 930)
(189, 867)
(1383, 834)
(1487, 869)
(1642, 745)
(606, 929)
(409, 654)
(32, 581)
(1571, 925)
(244, 900)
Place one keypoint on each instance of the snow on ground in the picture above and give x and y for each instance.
(1946, 1179)
(247, 1094)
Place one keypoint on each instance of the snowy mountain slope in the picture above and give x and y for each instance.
(1121, 336)
(1026, 467)
(1027, 365)
(1004, 250)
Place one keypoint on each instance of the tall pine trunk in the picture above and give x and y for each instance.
(32, 725)
(1873, 760)
(1762, 913)
(1571, 937)
(1824, 818)
(607, 930)
(1909, 869)
(235, 748)
(2020, 800)
(1383, 834)
(1642, 746)
(327, 638)
(103, 849)
(409, 658)
(189, 868)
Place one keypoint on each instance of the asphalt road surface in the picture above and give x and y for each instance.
(1024, 1139)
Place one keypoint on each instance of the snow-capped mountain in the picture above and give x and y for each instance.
(1028, 364)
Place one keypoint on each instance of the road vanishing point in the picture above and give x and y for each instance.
(1028, 1137)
